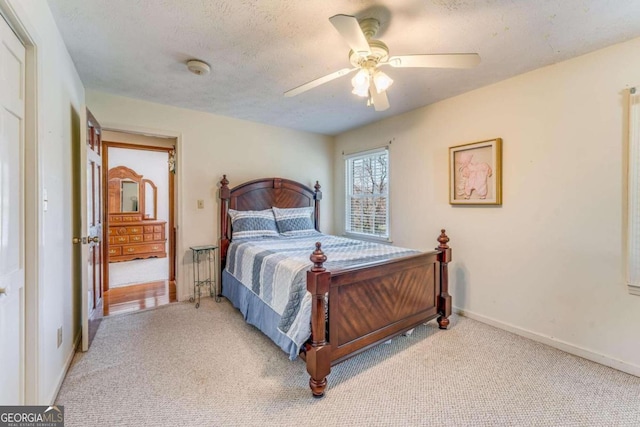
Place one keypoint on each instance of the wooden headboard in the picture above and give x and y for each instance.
(263, 194)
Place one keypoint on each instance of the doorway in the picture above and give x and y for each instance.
(140, 233)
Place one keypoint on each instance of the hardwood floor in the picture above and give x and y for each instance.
(139, 297)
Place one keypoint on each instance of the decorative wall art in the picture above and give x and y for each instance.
(475, 173)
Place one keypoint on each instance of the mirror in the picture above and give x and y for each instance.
(150, 202)
(129, 196)
(129, 193)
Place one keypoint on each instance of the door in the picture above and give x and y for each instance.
(94, 214)
(12, 241)
(92, 231)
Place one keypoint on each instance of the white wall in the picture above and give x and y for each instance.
(60, 98)
(210, 146)
(548, 262)
(151, 165)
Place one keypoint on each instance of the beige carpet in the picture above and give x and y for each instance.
(178, 366)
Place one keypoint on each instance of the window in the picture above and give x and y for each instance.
(367, 204)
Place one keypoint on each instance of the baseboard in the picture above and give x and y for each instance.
(620, 365)
(67, 365)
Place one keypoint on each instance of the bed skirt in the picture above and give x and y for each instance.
(256, 312)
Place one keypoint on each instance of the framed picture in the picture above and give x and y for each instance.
(475, 173)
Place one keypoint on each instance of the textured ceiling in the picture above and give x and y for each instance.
(260, 49)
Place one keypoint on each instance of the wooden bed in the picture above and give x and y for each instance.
(367, 305)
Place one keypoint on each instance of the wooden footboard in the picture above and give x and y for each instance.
(370, 304)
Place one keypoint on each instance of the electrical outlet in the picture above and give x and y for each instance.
(59, 336)
(200, 204)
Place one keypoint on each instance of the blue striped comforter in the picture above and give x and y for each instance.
(275, 270)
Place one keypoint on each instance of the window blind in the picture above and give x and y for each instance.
(367, 204)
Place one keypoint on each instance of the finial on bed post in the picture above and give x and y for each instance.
(318, 350)
(443, 239)
(318, 258)
(225, 193)
(444, 299)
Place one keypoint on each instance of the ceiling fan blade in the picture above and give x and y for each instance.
(350, 30)
(450, 60)
(379, 100)
(317, 82)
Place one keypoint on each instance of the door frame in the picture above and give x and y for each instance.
(177, 188)
(33, 198)
(106, 145)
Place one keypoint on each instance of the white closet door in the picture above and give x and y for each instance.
(12, 355)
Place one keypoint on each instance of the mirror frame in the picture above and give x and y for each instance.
(123, 172)
(146, 181)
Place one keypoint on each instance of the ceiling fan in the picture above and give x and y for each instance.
(367, 54)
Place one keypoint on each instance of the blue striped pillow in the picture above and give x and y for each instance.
(294, 221)
(253, 224)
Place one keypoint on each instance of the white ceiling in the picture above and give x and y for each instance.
(259, 49)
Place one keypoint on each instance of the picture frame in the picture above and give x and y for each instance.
(475, 173)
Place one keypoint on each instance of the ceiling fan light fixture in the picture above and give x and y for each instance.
(360, 83)
(382, 81)
(363, 92)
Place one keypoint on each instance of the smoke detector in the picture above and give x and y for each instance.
(198, 67)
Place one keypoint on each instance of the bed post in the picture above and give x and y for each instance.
(317, 196)
(318, 355)
(225, 195)
(444, 299)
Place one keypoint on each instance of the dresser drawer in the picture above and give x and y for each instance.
(143, 249)
(148, 228)
(134, 230)
(136, 238)
(158, 228)
(121, 239)
(148, 237)
(115, 251)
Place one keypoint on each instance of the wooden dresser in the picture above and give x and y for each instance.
(133, 238)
